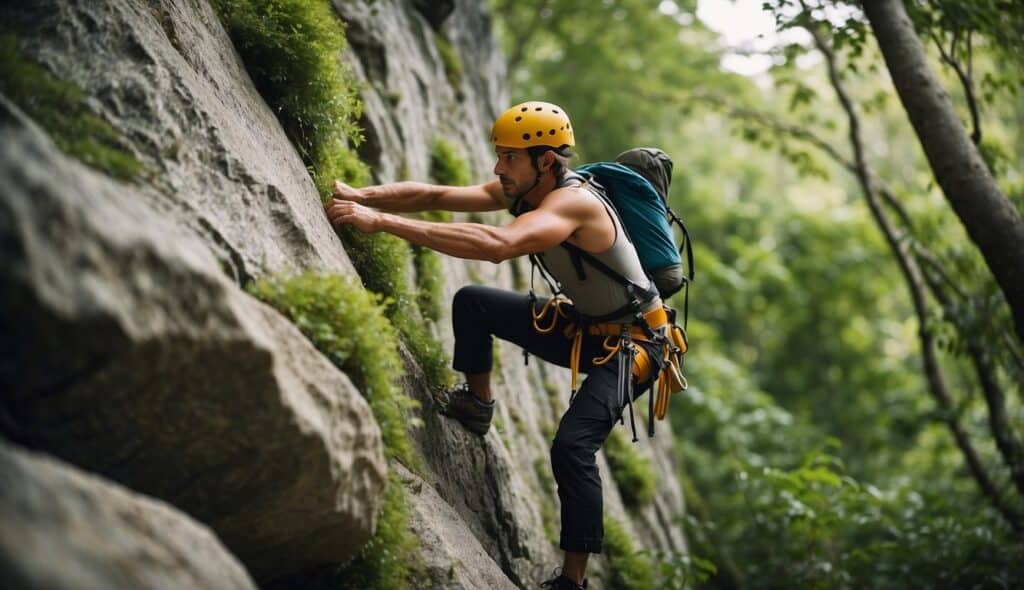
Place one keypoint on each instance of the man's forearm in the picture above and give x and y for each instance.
(406, 196)
(473, 241)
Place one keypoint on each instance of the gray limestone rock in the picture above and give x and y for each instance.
(165, 74)
(66, 530)
(453, 557)
(410, 102)
(127, 352)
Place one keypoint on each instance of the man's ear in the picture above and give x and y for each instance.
(546, 160)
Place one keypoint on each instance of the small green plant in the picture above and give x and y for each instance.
(391, 560)
(628, 568)
(291, 50)
(60, 108)
(633, 474)
(347, 324)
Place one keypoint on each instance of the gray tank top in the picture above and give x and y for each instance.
(597, 294)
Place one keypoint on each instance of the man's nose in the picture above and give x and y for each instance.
(498, 168)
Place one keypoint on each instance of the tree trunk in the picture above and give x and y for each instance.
(991, 220)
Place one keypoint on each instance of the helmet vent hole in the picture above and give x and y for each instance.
(540, 134)
(519, 118)
(555, 111)
(523, 109)
(552, 132)
(538, 108)
(526, 136)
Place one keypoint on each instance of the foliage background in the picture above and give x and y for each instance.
(813, 453)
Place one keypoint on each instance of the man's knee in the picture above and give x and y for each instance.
(568, 453)
(468, 298)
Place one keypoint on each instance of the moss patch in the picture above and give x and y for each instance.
(347, 324)
(428, 282)
(447, 166)
(427, 264)
(548, 514)
(634, 475)
(382, 260)
(291, 50)
(628, 568)
(391, 560)
(60, 108)
(451, 61)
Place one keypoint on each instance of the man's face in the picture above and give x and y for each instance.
(514, 171)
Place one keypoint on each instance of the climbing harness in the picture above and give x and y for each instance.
(656, 326)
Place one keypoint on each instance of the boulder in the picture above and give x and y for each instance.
(66, 530)
(127, 352)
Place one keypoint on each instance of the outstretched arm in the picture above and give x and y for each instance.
(417, 196)
(530, 233)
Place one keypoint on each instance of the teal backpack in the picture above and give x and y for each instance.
(636, 185)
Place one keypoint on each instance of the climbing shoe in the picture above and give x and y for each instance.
(460, 403)
(560, 582)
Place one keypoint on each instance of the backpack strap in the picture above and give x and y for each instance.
(687, 245)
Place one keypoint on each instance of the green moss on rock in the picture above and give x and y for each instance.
(447, 166)
(347, 324)
(628, 568)
(634, 475)
(60, 108)
(391, 560)
(428, 282)
(452, 62)
(291, 50)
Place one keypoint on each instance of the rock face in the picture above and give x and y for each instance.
(410, 97)
(166, 75)
(65, 530)
(136, 358)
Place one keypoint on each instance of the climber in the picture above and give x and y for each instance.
(599, 328)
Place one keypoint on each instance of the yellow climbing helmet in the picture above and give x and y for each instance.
(533, 124)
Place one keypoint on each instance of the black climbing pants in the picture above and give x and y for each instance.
(478, 313)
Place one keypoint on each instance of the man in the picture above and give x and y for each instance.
(573, 232)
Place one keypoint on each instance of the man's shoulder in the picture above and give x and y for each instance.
(571, 197)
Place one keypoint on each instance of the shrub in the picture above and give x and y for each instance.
(60, 108)
(634, 475)
(348, 325)
(291, 49)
